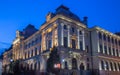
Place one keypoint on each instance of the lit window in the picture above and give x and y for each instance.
(73, 43)
(49, 44)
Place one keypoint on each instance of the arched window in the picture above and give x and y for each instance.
(39, 66)
(74, 63)
(31, 67)
(66, 65)
(82, 66)
(88, 66)
(111, 66)
(102, 65)
(107, 67)
(35, 66)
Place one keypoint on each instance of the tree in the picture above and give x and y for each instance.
(53, 60)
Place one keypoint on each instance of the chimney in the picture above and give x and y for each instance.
(85, 20)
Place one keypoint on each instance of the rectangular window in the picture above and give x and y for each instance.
(35, 51)
(108, 39)
(117, 52)
(100, 35)
(104, 37)
(49, 44)
(113, 52)
(65, 27)
(105, 49)
(65, 42)
(80, 32)
(102, 65)
(73, 30)
(73, 43)
(109, 51)
(111, 65)
(81, 45)
(31, 52)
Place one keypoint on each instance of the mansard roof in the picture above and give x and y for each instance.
(66, 12)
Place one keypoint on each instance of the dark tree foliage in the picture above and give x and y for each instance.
(53, 59)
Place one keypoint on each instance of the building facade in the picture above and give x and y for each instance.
(94, 48)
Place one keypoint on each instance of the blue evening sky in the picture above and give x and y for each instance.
(17, 14)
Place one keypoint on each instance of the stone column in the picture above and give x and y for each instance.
(107, 45)
(109, 66)
(62, 34)
(78, 39)
(98, 42)
(68, 36)
(103, 43)
(100, 68)
(111, 46)
(117, 66)
(83, 39)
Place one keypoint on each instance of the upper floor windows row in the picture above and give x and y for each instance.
(32, 43)
(73, 43)
(72, 29)
(113, 66)
(107, 38)
(109, 50)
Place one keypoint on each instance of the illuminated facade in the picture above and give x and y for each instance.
(105, 51)
(7, 56)
(77, 44)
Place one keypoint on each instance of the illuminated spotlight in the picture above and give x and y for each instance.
(63, 60)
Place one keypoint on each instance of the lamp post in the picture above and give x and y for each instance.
(11, 65)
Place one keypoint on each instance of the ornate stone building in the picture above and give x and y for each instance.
(94, 48)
